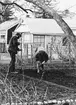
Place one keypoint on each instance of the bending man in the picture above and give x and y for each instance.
(41, 58)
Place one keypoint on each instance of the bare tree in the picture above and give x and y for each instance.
(40, 13)
(5, 12)
(51, 12)
(66, 13)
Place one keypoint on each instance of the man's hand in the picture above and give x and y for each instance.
(20, 49)
(43, 62)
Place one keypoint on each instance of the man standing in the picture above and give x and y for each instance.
(13, 50)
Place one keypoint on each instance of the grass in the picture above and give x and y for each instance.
(29, 88)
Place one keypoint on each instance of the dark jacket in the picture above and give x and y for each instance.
(13, 45)
(41, 56)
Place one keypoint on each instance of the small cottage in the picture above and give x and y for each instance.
(46, 33)
(36, 32)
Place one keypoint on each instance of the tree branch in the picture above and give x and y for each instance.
(51, 12)
(13, 3)
(19, 7)
(1, 14)
(25, 10)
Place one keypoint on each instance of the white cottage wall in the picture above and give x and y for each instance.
(26, 41)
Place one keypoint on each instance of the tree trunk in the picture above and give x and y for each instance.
(51, 12)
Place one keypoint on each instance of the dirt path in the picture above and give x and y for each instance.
(54, 76)
(29, 87)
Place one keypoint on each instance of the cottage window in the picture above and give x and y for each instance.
(39, 40)
(2, 48)
(2, 36)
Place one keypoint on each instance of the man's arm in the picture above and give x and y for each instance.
(14, 40)
(19, 49)
(18, 43)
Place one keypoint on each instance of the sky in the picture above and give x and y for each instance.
(65, 4)
(62, 5)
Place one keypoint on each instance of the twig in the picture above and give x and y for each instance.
(46, 93)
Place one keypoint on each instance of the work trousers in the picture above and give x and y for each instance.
(12, 62)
